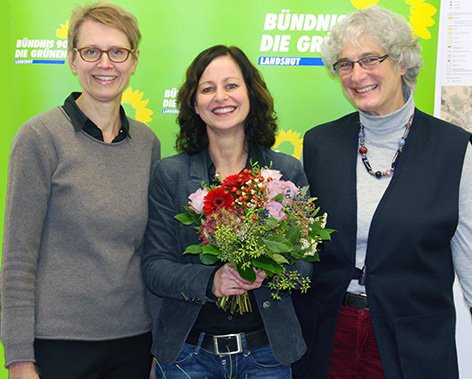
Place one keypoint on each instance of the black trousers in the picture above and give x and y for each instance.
(124, 358)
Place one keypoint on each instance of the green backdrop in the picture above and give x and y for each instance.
(36, 78)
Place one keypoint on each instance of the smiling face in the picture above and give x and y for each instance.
(222, 99)
(378, 90)
(103, 80)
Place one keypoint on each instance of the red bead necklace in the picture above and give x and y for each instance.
(363, 151)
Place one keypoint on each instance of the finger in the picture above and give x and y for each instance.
(261, 274)
(225, 283)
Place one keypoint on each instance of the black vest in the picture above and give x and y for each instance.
(410, 271)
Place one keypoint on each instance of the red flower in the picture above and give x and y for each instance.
(236, 180)
(216, 199)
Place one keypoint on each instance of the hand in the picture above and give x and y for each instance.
(22, 370)
(228, 282)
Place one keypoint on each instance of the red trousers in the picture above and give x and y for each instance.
(355, 354)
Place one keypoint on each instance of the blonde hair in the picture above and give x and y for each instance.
(107, 14)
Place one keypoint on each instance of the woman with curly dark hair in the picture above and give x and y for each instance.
(227, 120)
(261, 122)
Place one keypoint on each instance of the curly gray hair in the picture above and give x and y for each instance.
(390, 30)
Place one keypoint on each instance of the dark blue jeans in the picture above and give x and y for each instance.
(194, 362)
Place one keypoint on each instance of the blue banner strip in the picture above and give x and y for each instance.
(48, 61)
(289, 61)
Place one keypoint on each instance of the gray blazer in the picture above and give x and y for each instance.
(181, 280)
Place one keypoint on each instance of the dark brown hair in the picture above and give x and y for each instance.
(260, 124)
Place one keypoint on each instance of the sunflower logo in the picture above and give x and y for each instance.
(135, 100)
(290, 138)
(361, 4)
(62, 31)
(421, 14)
(421, 17)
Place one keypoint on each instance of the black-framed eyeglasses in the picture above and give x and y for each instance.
(93, 54)
(345, 67)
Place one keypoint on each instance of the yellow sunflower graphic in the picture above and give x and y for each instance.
(61, 32)
(421, 14)
(421, 17)
(292, 138)
(135, 100)
(361, 4)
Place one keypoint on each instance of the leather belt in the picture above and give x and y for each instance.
(355, 300)
(228, 344)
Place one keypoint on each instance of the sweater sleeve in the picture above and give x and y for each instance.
(29, 179)
(461, 243)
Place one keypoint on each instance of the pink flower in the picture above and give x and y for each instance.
(196, 200)
(275, 210)
(291, 190)
(282, 187)
(273, 174)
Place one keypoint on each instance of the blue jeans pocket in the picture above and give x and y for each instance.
(187, 352)
(264, 358)
(178, 369)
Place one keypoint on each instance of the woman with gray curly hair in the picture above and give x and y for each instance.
(381, 303)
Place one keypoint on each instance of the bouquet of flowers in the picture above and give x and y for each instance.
(256, 221)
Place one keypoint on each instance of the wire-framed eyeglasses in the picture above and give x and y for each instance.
(93, 54)
(345, 67)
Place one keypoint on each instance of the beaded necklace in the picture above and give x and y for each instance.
(363, 151)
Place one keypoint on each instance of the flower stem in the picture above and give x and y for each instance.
(235, 304)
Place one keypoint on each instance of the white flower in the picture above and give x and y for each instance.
(309, 246)
(323, 219)
(305, 243)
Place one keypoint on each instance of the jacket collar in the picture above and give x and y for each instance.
(201, 163)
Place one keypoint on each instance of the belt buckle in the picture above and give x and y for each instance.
(228, 344)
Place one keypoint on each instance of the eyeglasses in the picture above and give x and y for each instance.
(345, 67)
(93, 54)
